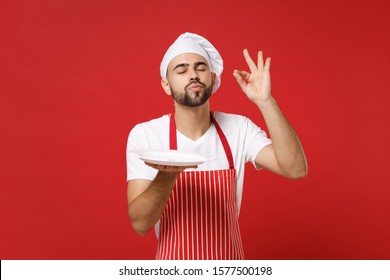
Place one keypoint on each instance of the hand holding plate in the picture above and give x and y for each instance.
(169, 168)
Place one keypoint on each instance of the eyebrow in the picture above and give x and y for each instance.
(187, 64)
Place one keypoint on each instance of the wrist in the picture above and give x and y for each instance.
(167, 175)
(263, 104)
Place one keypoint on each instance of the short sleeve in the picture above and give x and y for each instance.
(255, 140)
(136, 168)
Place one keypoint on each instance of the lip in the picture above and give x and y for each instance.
(195, 87)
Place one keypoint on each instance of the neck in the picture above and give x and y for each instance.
(192, 122)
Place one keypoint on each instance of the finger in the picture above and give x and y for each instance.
(169, 168)
(267, 65)
(249, 61)
(260, 61)
(160, 167)
(239, 80)
(157, 166)
(244, 75)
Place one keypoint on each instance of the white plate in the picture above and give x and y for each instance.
(172, 157)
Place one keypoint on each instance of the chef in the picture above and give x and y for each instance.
(194, 208)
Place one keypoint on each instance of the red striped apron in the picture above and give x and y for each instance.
(200, 220)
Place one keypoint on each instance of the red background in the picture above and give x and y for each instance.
(77, 75)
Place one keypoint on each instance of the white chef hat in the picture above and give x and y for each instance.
(193, 43)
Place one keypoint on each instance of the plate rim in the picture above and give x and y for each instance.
(199, 161)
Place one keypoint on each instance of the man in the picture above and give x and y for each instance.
(194, 209)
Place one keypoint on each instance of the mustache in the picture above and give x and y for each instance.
(195, 82)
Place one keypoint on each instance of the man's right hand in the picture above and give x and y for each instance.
(147, 199)
(169, 168)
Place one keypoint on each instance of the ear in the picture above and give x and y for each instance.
(166, 87)
(213, 78)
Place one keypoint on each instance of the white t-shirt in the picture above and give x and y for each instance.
(244, 137)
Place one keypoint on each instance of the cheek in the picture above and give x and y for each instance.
(178, 82)
(208, 79)
(207, 76)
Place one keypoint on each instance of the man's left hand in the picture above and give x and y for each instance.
(257, 84)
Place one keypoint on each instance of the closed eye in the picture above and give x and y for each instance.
(201, 66)
(183, 67)
(181, 70)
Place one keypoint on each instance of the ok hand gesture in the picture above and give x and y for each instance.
(257, 83)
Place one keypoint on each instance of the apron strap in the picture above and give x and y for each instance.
(172, 133)
(222, 137)
(224, 141)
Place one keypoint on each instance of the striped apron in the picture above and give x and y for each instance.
(200, 219)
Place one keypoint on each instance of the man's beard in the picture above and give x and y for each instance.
(194, 99)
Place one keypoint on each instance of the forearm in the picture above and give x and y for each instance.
(147, 208)
(286, 144)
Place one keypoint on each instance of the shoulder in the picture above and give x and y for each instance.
(150, 133)
(234, 125)
(228, 117)
(151, 125)
(154, 122)
(232, 121)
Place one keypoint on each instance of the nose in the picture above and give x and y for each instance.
(193, 74)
